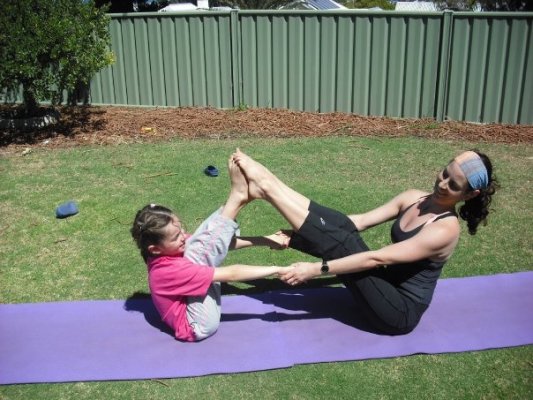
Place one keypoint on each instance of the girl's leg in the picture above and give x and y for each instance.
(238, 196)
(203, 313)
(209, 245)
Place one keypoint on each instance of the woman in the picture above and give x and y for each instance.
(394, 285)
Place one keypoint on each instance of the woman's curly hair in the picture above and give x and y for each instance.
(475, 210)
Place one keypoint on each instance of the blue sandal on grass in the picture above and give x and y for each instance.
(66, 209)
(211, 170)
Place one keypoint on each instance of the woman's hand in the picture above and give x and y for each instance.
(300, 272)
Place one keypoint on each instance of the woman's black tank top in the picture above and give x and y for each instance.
(416, 280)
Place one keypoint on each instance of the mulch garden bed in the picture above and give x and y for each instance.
(115, 125)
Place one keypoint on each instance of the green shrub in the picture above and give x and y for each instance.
(49, 46)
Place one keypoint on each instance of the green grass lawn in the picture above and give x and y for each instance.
(91, 255)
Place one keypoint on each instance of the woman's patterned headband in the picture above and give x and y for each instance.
(474, 169)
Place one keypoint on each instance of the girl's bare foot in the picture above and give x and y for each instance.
(239, 185)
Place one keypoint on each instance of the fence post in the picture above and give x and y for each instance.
(236, 73)
(444, 65)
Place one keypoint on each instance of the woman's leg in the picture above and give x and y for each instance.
(263, 184)
(328, 234)
(318, 230)
(387, 310)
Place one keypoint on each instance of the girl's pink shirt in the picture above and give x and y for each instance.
(171, 280)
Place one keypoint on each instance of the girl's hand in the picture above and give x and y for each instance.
(280, 271)
(300, 272)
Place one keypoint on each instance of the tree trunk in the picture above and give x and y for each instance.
(30, 103)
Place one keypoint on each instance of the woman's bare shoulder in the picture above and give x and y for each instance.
(410, 196)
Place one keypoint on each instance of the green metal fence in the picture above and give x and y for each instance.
(490, 71)
(168, 60)
(369, 64)
(444, 65)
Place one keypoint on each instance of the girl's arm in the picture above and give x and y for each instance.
(276, 241)
(387, 211)
(437, 241)
(240, 272)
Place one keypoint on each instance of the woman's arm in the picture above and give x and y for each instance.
(240, 272)
(437, 240)
(387, 211)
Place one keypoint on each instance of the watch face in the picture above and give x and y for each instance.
(325, 268)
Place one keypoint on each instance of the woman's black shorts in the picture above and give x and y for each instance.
(327, 234)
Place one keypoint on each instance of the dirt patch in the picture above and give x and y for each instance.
(114, 125)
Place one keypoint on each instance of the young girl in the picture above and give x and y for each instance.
(185, 287)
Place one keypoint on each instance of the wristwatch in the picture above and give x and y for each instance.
(325, 267)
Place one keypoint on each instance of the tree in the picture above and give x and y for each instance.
(509, 5)
(116, 6)
(127, 6)
(151, 6)
(51, 46)
(456, 5)
(486, 5)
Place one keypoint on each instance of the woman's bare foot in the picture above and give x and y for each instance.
(279, 240)
(259, 178)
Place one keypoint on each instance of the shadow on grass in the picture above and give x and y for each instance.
(315, 300)
(72, 121)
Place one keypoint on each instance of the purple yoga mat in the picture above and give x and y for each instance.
(466, 314)
(117, 340)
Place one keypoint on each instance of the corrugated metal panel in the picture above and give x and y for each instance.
(463, 66)
(377, 64)
(491, 68)
(168, 60)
